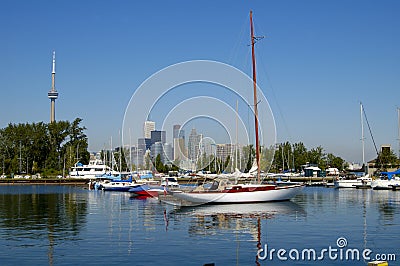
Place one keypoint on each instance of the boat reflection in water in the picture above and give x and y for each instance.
(236, 211)
(208, 220)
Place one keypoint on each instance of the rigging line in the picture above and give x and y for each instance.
(234, 51)
(258, 29)
(269, 82)
(370, 132)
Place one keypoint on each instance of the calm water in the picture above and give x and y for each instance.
(64, 225)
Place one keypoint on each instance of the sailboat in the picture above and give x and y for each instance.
(227, 191)
(362, 181)
(388, 180)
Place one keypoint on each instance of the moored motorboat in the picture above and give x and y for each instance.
(146, 190)
(353, 183)
(115, 184)
(93, 170)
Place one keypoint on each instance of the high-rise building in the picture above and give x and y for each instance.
(181, 134)
(225, 150)
(53, 94)
(157, 149)
(168, 155)
(144, 144)
(193, 145)
(158, 136)
(180, 152)
(178, 132)
(148, 127)
(176, 129)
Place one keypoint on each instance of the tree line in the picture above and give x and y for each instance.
(46, 148)
(279, 158)
(294, 157)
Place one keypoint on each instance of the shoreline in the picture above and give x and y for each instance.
(84, 182)
(44, 181)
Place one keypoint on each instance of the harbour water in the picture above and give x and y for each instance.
(68, 225)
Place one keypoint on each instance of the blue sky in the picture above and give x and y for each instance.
(318, 61)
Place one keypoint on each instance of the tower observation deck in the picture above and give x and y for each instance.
(53, 94)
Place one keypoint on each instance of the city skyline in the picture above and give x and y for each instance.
(317, 62)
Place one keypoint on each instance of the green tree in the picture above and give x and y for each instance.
(248, 156)
(58, 132)
(300, 155)
(227, 163)
(267, 156)
(316, 156)
(147, 161)
(334, 161)
(386, 159)
(158, 164)
(283, 159)
(37, 147)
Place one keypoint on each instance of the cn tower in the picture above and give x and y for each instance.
(53, 94)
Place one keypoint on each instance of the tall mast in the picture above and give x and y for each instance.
(398, 128)
(255, 95)
(130, 151)
(362, 134)
(236, 146)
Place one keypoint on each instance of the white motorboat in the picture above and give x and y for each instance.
(116, 185)
(353, 183)
(93, 170)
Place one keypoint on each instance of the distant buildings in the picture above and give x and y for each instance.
(144, 144)
(176, 130)
(168, 155)
(158, 136)
(186, 154)
(157, 149)
(179, 149)
(193, 145)
(225, 150)
(148, 127)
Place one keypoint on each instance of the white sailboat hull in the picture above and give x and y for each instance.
(278, 194)
(384, 183)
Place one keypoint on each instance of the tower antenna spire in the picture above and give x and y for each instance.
(54, 63)
(53, 94)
